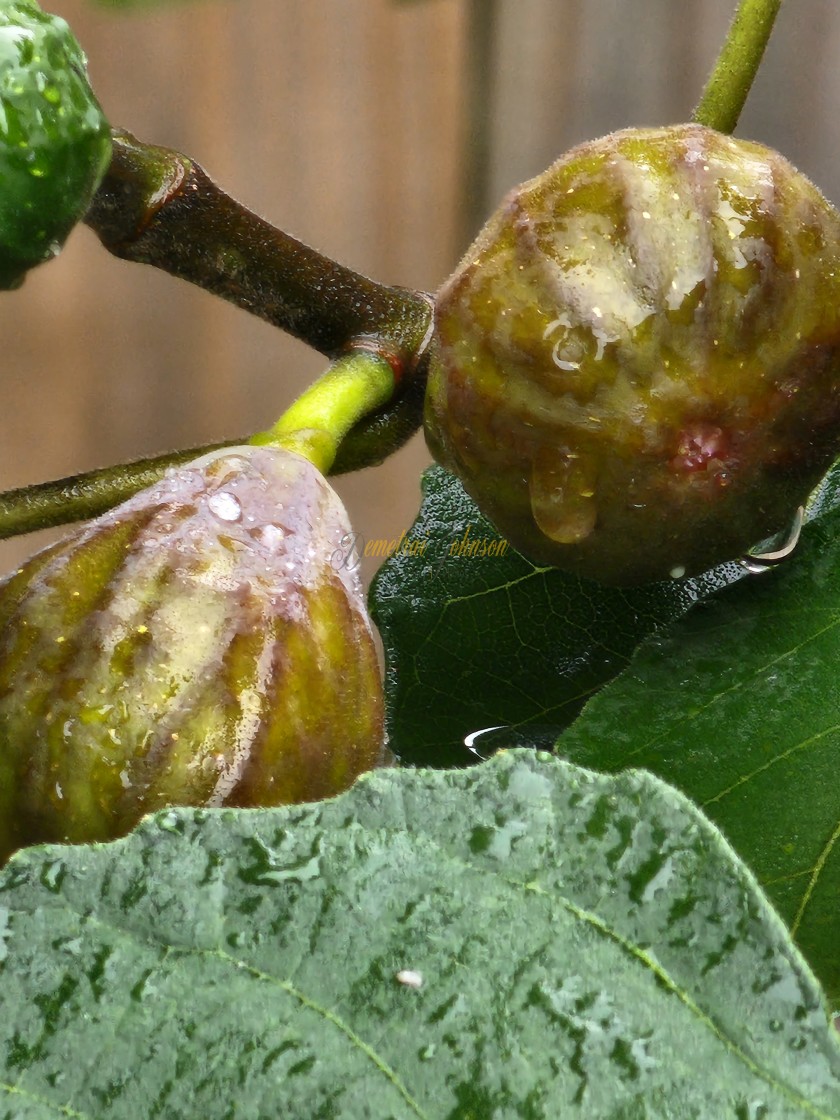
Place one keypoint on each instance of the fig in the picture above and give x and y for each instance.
(55, 142)
(202, 644)
(635, 366)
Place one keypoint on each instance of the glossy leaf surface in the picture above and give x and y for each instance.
(739, 707)
(476, 640)
(525, 939)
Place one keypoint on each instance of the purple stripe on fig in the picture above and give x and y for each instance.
(196, 645)
(636, 364)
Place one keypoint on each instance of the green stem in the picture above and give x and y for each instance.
(314, 426)
(481, 69)
(368, 442)
(383, 432)
(737, 64)
(158, 207)
(46, 504)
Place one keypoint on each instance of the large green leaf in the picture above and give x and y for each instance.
(587, 946)
(739, 706)
(476, 641)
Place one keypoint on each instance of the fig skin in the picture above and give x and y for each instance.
(55, 143)
(198, 645)
(635, 369)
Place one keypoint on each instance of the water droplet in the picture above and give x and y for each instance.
(272, 536)
(767, 554)
(169, 821)
(751, 1110)
(52, 875)
(485, 742)
(410, 978)
(562, 489)
(497, 843)
(469, 740)
(225, 506)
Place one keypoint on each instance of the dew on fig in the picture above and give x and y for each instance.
(272, 536)
(677, 332)
(409, 978)
(199, 630)
(562, 490)
(225, 505)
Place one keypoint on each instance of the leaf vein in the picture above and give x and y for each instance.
(812, 882)
(62, 1109)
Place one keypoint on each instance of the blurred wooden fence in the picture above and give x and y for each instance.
(344, 122)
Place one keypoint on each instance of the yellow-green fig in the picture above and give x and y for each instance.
(202, 644)
(636, 370)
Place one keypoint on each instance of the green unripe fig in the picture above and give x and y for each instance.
(55, 143)
(201, 644)
(636, 371)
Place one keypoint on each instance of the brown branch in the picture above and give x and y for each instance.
(158, 207)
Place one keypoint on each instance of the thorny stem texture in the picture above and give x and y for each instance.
(734, 71)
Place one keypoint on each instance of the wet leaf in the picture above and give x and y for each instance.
(739, 707)
(475, 639)
(523, 939)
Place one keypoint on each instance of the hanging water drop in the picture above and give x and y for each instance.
(562, 490)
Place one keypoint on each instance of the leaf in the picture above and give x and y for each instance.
(739, 707)
(588, 946)
(475, 641)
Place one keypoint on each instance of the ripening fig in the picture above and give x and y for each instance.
(636, 371)
(201, 644)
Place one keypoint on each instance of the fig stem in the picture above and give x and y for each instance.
(159, 207)
(740, 56)
(315, 424)
(359, 384)
(46, 504)
(356, 418)
(481, 66)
